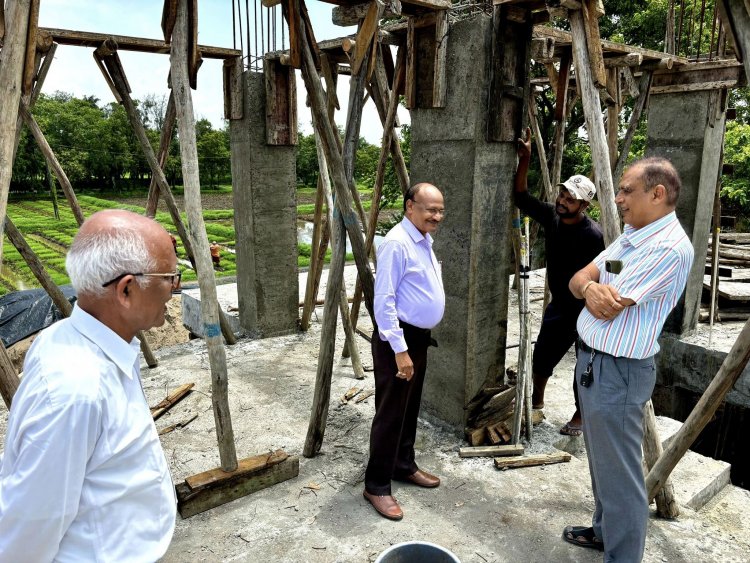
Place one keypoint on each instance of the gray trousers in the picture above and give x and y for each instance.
(612, 409)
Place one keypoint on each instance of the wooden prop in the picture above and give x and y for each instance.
(531, 460)
(366, 34)
(644, 87)
(666, 504)
(31, 35)
(309, 302)
(234, 99)
(9, 380)
(171, 400)
(595, 128)
(11, 77)
(107, 54)
(594, 43)
(613, 114)
(549, 189)
(210, 312)
(281, 103)
(165, 138)
(490, 451)
(730, 370)
(213, 488)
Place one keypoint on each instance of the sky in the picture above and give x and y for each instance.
(75, 71)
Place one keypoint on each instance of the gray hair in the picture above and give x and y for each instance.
(98, 257)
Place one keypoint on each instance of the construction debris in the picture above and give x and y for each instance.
(171, 400)
(531, 460)
(491, 420)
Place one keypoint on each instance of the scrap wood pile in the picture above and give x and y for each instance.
(490, 421)
(733, 281)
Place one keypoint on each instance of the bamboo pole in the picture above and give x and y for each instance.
(730, 370)
(164, 141)
(595, 128)
(12, 57)
(666, 505)
(9, 381)
(377, 191)
(108, 54)
(322, 394)
(335, 162)
(210, 311)
(644, 86)
(51, 159)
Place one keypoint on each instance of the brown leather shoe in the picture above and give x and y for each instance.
(423, 479)
(386, 505)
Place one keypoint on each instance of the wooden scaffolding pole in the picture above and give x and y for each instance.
(164, 141)
(210, 311)
(115, 76)
(12, 57)
(377, 190)
(643, 87)
(728, 374)
(666, 505)
(9, 381)
(595, 128)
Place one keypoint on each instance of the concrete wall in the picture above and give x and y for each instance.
(265, 214)
(450, 151)
(688, 129)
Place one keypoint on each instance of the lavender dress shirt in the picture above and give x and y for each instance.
(408, 284)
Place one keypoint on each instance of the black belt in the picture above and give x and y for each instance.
(585, 347)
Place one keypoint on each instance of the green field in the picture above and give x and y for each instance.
(50, 238)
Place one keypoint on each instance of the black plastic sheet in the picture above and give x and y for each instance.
(23, 313)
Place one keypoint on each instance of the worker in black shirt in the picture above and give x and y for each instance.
(572, 240)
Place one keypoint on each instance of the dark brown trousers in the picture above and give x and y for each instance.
(394, 427)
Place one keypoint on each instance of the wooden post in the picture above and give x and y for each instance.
(309, 302)
(635, 117)
(51, 159)
(107, 53)
(164, 141)
(549, 189)
(11, 75)
(613, 113)
(377, 190)
(595, 128)
(9, 381)
(340, 182)
(717, 390)
(29, 67)
(319, 414)
(210, 311)
(666, 505)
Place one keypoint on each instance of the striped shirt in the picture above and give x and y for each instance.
(656, 260)
(408, 284)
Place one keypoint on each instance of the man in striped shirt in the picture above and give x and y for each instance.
(629, 290)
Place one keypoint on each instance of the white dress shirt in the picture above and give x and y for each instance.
(83, 477)
(408, 284)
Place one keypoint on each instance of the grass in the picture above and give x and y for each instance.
(50, 238)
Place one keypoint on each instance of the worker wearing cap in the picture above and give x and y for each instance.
(572, 240)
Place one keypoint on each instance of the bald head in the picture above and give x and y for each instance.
(111, 243)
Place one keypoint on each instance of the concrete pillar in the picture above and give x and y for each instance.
(449, 150)
(688, 129)
(265, 216)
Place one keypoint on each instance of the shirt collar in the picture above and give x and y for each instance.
(122, 353)
(414, 233)
(637, 237)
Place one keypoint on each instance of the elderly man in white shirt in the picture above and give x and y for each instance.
(83, 476)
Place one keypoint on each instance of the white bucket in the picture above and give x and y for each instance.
(416, 552)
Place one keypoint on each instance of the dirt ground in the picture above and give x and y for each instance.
(479, 513)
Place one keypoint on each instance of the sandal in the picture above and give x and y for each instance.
(570, 430)
(582, 537)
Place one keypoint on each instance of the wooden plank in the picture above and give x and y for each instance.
(295, 33)
(168, 15)
(635, 117)
(171, 400)
(129, 43)
(531, 460)
(491, 451)
(30, 66)
(630, 82)
(730, 290)
(280, 114)
(475, 436)
(233, 486)
(410, 88)
(613, 114)
(245, 466)
(440, 66)
(194, 54)
(671, 89)
(631, 59)
(561, 93)
(2, 22)
(350, 15)
(594, 43)
(211, 313)
(366, 34)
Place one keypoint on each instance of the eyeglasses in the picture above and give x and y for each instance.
(174, 278)
(431, 210)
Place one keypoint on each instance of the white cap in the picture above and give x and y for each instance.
(580, 187)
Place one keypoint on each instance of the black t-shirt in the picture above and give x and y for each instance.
(568, 248)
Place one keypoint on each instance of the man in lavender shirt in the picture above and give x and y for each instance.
(409, 301)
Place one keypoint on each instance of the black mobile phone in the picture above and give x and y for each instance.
(613, 266)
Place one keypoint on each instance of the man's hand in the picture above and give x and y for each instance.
(523, 146)
(405, 367)
(604, 301)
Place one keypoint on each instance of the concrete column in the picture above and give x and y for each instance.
(688, 129)
(449, 150)
(265, 215)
